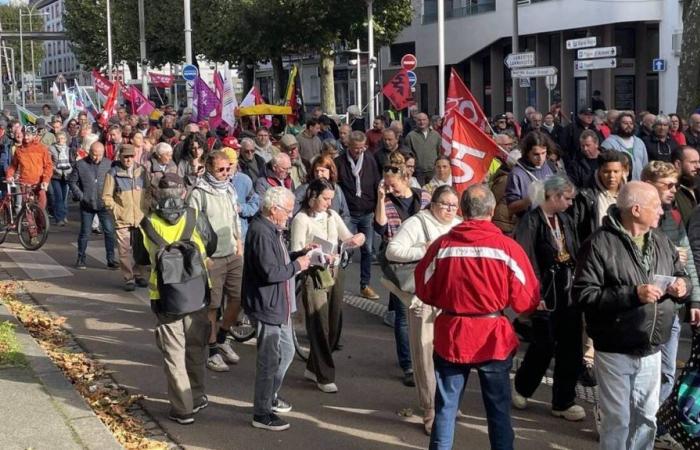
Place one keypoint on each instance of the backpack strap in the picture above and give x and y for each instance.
(151, 233)
(190, 222)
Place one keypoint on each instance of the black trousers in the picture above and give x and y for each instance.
(555, 335)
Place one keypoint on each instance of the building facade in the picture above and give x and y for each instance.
(478, 37)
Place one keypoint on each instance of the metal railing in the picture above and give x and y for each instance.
(471, 9)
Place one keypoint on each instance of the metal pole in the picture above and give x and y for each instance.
(21, 57)
(441, 57)
(188, 46)
(109, 42)
(358, 96)
(514, 89)
(2, 87)
(176, 102)
(142, 45)
(14, 76)
(31, 43)
(370, 63)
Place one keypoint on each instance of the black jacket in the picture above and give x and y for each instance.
(87, 181)
(265, 273)
(692, 140)
(584, 212)
(570, 135)
(610, 267)
(369, 182)
(581, 171)
(247, 169)
(381, 156)
(660, 151)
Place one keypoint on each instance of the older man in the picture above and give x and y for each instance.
(160, 163)
(659, 144)
(277, 171)
(582, 167)
(250, 163)
(425, 144)
(299, 168)
(268, 297)
(628, 279)
(686, 159)
(390, 143)
(692, 134)
(570, 135)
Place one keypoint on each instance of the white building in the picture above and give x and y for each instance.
(478, 38)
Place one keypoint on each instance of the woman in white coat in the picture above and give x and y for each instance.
(409, 245)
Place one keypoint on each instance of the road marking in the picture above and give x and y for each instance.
(37, 264)
(361, 303)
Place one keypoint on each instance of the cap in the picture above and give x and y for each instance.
(203, 124)
(171, 180)
(585, 111)
(501, 117)
(288, 140)
(127, 150)
(230, 142)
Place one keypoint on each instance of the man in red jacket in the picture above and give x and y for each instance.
(472, 274)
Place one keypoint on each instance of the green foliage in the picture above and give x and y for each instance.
(9, 17)
(10, 353)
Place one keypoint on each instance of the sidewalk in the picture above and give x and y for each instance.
(39, 407)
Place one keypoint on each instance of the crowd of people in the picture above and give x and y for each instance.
(588, 231)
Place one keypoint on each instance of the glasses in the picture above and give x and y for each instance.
(392, 169)
(447, 206)
(224, 169)
(668, 186)
(288, 211)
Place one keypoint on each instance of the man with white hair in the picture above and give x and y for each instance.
(268, 296)
(160, 163)
(250, 162)
(277, 174)
(628, 279)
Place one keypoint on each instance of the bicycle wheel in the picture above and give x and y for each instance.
(244, 328)
(32, 226)
(5, 222)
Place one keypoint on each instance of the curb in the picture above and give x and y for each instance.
(78, 416)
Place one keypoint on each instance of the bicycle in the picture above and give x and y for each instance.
(31, 222)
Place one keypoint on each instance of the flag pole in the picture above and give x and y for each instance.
(441, 56)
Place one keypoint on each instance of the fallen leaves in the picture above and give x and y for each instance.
(111, 403)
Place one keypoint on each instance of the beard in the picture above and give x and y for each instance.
(623, 133)
(687, 180)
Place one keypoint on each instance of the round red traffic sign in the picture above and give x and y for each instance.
(409, 62)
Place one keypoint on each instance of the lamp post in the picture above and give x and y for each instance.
(188, 47)
(12, 53)
(109, 42)
(30, 12)
(370, 65)
(21, 57)
(357, 62)
(142, 47)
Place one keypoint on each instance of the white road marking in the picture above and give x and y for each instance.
(37, 264)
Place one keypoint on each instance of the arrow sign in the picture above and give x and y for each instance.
(573, 44)
(533, 72)
(600, 52)
(659, 65)
(516, 60)
(593, 64)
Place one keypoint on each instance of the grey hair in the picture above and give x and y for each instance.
(358, 136)
(276, 196)
(662, 119)
(477, 202)
(635, 193)
(162, 148)
(557, 185)
(247, 141)
(278, 158)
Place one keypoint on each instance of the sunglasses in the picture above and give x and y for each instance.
(392, 169)
(224, 169)
(668, 185)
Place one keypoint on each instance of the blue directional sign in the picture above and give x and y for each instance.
(659, 65)
(189, 72)
(412, 78)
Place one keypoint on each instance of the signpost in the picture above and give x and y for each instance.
(409, 62)
(573, 44)
(533, 72)
(412, 78)
(599, 52)
(593, 64)
(659, 65)
(518, 60)
(189, 72)
(551, 82)
(524, 82)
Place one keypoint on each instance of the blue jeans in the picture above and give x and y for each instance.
(403, 349)
(60, 193)
(494, 378)
(669, 351)
(363, 224)
(107, 224)
(275, 354)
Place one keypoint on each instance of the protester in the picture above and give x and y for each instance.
(31, 160)
(308, 140)
(581, 169)
(390, 144)
(465, 274)
(624, 140)
(375, 134)
(675, 129)
(299, 168)
(249, 162)
(277, 171)
(424, 142)
(686, 160)
(659, 144)
(248, 199)
(324, 167)
(503, 164)
(692, 134)
(160, 163)
(191, 166)
(263, 146)
(442, 174)
(571, 134)
(62, 167)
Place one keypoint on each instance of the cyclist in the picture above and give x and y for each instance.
(33, 161)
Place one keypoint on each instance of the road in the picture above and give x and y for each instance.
(117, 327)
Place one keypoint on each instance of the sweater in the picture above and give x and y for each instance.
(328, 226)
(220, 208)
(425, 147)
(309, 147)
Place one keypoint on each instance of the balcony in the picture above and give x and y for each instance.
(472, 8)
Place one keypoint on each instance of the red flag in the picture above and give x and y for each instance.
(398, 91)
(460, 99)
(160, 80)
(219, 91)
(139, 103)
(102, 84)
(471, 152)
(110, 106)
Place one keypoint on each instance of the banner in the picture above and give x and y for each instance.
(102, 84)
(398, 90)
(471, 152)
(89, 105)
(459, 99)
(215, 121)
(264, 109)
(25, 116)
(57, 98)
(229, 103)
(140, 105)
(160, 80)
(252, 98)
(204, 100)
(110, 106)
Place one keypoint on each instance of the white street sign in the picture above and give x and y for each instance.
(550, 81)
(524, 82)
(515, 60)
(593, 64)
(599, 52)
(573, 44)
(533, 72)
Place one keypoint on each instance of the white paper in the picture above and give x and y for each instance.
(663, 282)
(326, 246)
(318, 258)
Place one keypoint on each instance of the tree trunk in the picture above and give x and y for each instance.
(689, 69)
(248, 74)
(326, 66)
(278, 80)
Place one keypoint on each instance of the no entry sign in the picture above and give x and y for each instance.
(409, 62)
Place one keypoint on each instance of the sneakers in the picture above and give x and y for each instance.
(227, 353)
(217, 364)
(130, 286)
(368, 292)
(184, 419)
(203, 403)
(279, 405)
(518, 401)
(573, 413)
(328, 388)
(309, 375)
(408, 379)
(80, 264)
(666, 441)
(141, 282)
(270, 422)
(112, 265)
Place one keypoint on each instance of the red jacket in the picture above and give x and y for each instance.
(476, 269)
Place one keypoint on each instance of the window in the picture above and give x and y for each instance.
(397, 51)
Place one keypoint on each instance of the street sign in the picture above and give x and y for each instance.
(412, 78)
(573, 44)
(524, 82)
(189, 72)
(659, 65)
(516, 60)
(599, 52)
(409, 62)
(533, 72)
(593, 64)
(550, 81)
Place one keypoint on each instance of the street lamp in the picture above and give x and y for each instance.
(358, 63)
(12, 53)
(30, 12)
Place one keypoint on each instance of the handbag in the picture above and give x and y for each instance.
(321, 277)
(401, 274)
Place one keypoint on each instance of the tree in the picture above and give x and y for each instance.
(9, 17)
(689, 69)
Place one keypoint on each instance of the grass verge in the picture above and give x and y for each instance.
(10, 353)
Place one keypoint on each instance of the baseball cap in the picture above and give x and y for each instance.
(171, 180)
(288, 140)
(127, 150)
(585, 111)
(500, 117)
(231, 142)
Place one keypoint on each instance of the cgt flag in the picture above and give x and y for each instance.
(471, 152)
(140, 105)
(398, 90)
(160, 80)
(110, 106)
(459, 99)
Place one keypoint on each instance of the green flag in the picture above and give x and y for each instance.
(25, 116)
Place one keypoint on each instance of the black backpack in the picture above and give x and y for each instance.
(183, 284)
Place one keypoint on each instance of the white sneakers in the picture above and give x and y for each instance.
(519, 402)
(309, 375)
(228, 354)
(573, 413)
(217, 364)
(328, 388)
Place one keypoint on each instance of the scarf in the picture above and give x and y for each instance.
(549, 128)
(221, 186)
(356, 169)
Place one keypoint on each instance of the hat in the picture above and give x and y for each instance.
(203, 124)
(500, 117)
(231, 142)
(288, 140)
(127, 150)
(171, 180)
(585, 111)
